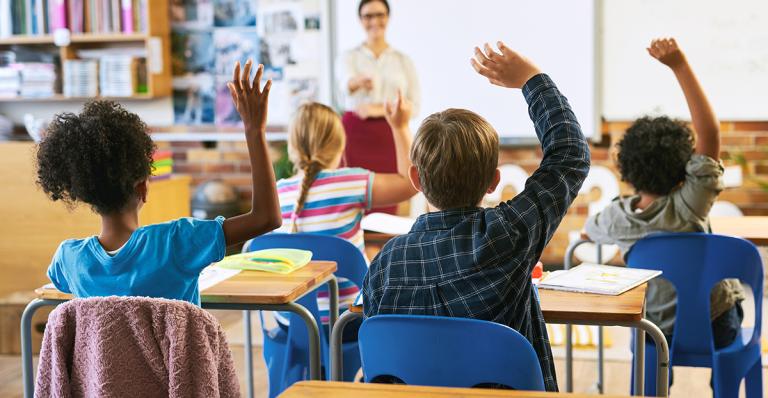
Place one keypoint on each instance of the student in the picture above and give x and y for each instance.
(325, 199)
(465, 261)
(676, 180)
(103, 157)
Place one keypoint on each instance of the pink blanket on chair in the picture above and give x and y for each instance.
(134, 347)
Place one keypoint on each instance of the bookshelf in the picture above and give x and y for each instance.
(154, 41)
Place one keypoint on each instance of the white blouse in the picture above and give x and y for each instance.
(391, 71)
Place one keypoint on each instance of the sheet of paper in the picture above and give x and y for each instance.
(387, 224)
(212, 275)
(599, 279)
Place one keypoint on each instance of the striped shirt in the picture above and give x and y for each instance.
(335, 205)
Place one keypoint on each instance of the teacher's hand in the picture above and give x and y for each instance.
(360, 82)
(398, 112)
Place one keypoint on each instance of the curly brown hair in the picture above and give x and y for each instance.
(653, 154)
(95, 157)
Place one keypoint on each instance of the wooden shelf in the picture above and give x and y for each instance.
(77, 38)
(59, 97)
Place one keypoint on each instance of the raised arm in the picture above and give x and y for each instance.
(389, 189)
(251, 102)
(705, 122)
(537, 211)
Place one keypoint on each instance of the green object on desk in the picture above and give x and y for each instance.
(280, 261)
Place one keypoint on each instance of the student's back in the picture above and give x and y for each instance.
(676, 179)
(465, 261)
(103, 157)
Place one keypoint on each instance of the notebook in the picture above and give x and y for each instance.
(280, 261)
(598, 279)
(387, 224)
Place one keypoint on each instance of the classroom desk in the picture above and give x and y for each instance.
(626, 310)
(335, 389)
(751, 228)
(246, 291)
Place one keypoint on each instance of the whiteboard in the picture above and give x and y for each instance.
(439, 35)
(726, 44)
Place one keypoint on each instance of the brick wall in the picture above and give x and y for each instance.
(743, 143)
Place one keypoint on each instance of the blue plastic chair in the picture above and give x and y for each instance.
(694, 263)
(447, 352)
(287, 353)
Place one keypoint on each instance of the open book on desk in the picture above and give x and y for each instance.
(387, 224)
(598, 279)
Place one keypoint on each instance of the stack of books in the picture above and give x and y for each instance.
(81, 77)
(162, 161)
(41, 17)
(9, 82)
(117, 75)
(38, 79)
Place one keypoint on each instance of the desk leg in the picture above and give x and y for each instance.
(639, 362)
(333, 292)
(27, 371)
(662, 357)
(314, 338)
(568, 358)
(248, 352)
(600, 361)
(336, 355)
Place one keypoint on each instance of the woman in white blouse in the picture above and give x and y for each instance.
(372, 74)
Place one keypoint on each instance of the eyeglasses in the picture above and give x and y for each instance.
(375, 15)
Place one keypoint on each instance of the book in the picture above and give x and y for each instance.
(6, 22)
(127, 15)
(598, 279)
(280, 261)
(387, 224)
(58, 11)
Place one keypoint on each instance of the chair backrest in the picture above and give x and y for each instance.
(350, 264)
(694, 263)
(349, 259)
(447, 352)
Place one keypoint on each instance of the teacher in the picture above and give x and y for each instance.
(371, 74)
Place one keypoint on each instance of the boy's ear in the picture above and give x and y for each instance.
(142, 189)
(494, 182)
(413, 174)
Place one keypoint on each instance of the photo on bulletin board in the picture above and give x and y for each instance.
(192, 52)
(192, 14)
(193, 99)
(229, 13)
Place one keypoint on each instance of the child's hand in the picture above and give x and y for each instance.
(250, 101)
(506, 69)
(398, 112)
(667, 52)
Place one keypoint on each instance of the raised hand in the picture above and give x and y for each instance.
(667, 52)
(251, 101)
(398, 112)
(504, 68)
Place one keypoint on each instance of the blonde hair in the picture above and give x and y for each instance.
(456, 153)
(316, 139)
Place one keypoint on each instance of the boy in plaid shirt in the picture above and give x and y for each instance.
(465, 261)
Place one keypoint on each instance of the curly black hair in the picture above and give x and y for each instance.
(653, 154)
(95, 157)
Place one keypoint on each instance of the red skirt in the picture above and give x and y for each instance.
(370, 145)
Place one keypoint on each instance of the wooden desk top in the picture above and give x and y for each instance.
(330, 389)
(751, 228)
(568, 307)
(565, 307)
(251, 287)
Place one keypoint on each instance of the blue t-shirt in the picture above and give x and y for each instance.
(160, 260)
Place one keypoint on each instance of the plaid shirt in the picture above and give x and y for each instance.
(477, 263)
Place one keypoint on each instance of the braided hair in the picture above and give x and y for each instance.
(316, 140)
